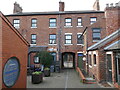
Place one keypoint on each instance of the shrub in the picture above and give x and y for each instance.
(45, 58)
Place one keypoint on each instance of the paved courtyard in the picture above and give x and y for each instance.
(67, 78)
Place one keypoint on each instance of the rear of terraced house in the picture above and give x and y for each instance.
(85, 39)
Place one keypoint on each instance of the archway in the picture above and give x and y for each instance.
(68, 60)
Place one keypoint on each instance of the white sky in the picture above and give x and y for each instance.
(6, 6)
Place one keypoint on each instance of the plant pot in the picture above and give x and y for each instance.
(46, 73)
(37, 78)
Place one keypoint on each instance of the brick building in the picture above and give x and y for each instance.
(85, 39)
(13, 56)
(57, 32)
(102, 54)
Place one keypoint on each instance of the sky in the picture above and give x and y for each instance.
(6, 6)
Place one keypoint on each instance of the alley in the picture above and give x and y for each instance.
(67, 78)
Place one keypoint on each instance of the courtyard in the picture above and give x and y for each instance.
(67, 78)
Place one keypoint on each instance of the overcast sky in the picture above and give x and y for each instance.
(6, 6)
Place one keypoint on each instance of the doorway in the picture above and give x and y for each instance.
(68, 60)
(117, 62)
(109, 68)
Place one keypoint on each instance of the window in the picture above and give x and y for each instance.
(34, 23)
(90, 60)
(79, 21)
(94, 58)
(68, 39)
(52, 22)
(96, 34)
(36, 60)
(33, 39)
(93, 20)
(16, 23)
(52, 39)
(79, 39)
(68, 22)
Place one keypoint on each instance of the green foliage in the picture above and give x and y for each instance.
(47, 69)
(45, 58)
(37, 72)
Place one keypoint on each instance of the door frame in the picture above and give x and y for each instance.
(107, 71)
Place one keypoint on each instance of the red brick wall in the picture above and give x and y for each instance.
(43, 29)
(0, 53)
(112, 19)
(13, 46)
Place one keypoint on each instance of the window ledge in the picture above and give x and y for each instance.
(90, 66)
(33, 27)
(32, 45)
(68, 44)
(52, 27)
(95, 65)
(79, 26)
(68, 26)
(52, 44)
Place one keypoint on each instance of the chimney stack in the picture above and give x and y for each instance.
(17, 8)
(61, 6)
(96, 5)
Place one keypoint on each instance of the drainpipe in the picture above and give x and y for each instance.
(59, 39)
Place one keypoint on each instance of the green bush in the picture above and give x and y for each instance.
(47, 69)
(45, 58)
(37, 72)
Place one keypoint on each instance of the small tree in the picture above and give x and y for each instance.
(45, 58)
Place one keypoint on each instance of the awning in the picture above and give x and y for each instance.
(37, 49)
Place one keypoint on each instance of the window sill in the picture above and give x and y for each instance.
(90, 66)
(33, 27)
(52, 27)
(32, 45)
(52, 44)
(79, 26)
(68, 26)
(17, 27)
(68, 44)
(95, 65)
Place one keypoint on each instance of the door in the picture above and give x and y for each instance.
(109, 68)
(118, 67)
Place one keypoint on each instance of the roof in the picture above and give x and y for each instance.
(105, 40)
(54, 13)
(15, 30)
(113, 46)
(37, 49)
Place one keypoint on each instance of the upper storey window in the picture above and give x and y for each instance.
(93, 20)
(68, 22)
(79, 22)
(16, 23)
(34, 23)
(52, 22)
(96, 34)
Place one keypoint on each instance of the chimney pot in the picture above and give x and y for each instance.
(107, 5)
(111, 5)
(117, 5)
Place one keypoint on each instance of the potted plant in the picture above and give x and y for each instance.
(46, 59)
(47, 72)
(37, 77)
